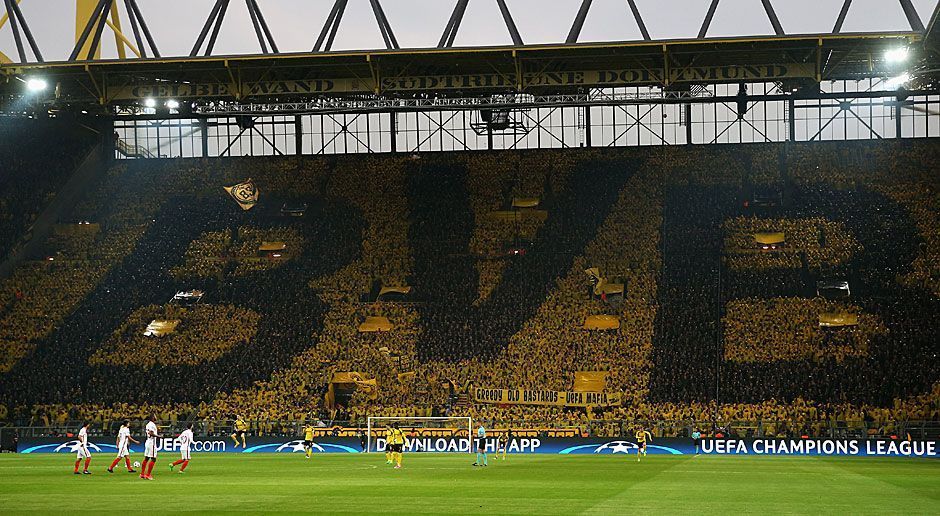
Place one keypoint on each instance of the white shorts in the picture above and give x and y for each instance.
(184, 454)
(123, 451)
(83, 453)
(150, 448)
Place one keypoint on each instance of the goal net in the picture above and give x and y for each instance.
(424, 434)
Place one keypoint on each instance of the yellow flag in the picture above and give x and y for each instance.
(245, 194)
(590, 381)
(370, 387)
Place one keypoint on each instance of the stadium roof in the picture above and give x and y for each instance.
(543, 69)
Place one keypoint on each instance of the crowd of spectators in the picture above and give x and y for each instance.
(34, 170)
(137, 199)
(496, 302)
(40, 293)
(201, 333)
(214, 251)
(337, 346)
(816, 240)
(767, 330)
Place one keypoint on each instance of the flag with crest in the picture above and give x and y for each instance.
(245, 194)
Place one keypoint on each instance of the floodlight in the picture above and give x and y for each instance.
(897, 55)
(36, 85)
(150, 103)
(172, 104)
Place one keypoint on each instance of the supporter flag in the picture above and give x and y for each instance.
(525, 202)
(161, 328)
(590, 381)
(602, 322)
(837, 319)
(375, 323)
(345, 383)
(245, 194)
(601, 286)
(595, 274)
(369, 387)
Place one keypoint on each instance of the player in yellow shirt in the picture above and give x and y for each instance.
(241, 429)
(642, 436)
(396, 442)
(308, 440)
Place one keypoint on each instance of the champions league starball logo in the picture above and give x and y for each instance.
(297, 446)
(74, 446)
(66, 447)
(616, 447)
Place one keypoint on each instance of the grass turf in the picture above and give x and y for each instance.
(534, 484)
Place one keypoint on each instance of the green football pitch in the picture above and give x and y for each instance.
(449, 484)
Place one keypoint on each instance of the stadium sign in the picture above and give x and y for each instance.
(481, 81)
(860, 447)
(546, 398)
(529, 445)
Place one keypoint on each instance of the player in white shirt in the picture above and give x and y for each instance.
(150, 449)
(82, 451)
(123, 443)
(186, 440)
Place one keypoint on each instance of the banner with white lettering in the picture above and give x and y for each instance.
(530, 442)
(546, 398)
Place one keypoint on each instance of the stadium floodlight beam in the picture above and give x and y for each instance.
(36, 85)
(150, 103)
(896, 82)
(897, 55)
(172, 104)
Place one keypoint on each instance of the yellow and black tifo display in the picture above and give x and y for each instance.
(574, 286)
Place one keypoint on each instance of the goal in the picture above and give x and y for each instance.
(439, 429)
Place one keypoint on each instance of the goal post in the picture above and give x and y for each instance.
(375, 426)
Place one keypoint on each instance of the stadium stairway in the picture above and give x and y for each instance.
(131, 151)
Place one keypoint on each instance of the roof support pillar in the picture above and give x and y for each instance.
(772, 16)
(510, 24)
(578, 23)
(837, 28)
(18, 24)
(639, 19)
(912, 17)
(708, 19)
(328, 33)
(450, 31)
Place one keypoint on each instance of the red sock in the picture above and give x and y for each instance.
(177, 463)
(79, 461)
(127, 462)
(115, 463)
(150, 468)
(185, 463)
(87, 462)
(143, 468)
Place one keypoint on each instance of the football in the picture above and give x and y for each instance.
(136, 464)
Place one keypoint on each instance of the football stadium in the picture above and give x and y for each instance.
(499, 256)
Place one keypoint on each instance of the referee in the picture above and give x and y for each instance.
(481, 447)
